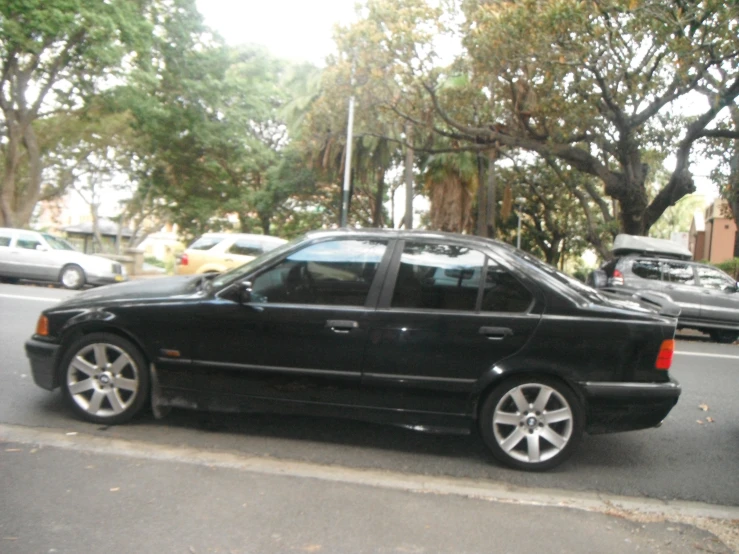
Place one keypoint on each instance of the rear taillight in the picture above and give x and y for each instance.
(664, 358)
(617, 278)
(182, 259)
(42, 326)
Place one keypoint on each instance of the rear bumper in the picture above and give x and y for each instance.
(43, 358)
(615, 407)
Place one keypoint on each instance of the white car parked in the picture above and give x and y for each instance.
(38, 256)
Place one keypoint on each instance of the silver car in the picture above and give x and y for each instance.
(38, 256)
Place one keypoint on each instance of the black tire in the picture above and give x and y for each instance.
(72, 277)
(724, 336)
(104, 378)
(518, 432)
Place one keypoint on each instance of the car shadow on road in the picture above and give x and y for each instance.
(692, 336)
(344, 442)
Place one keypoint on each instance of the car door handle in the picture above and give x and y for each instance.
(496, 333)
(341, 325)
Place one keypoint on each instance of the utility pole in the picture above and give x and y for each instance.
(348, 161)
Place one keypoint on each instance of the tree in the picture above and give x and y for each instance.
(54, 54)
(677, 218)
(377, 65)
(553, 226)
(175, 98)
(596, 84)
(451, 180)
(725, 150)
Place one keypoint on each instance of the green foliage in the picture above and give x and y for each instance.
(55, 53)
(730, 266)
(677, 218)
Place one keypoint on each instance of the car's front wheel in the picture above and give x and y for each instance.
(104, 378)
(531, 423)
(722, 336)
(72, 277)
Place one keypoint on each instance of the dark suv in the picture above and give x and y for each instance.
(708, 297)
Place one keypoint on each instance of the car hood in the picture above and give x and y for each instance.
(139, 290)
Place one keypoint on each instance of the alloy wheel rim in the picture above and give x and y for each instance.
(103, 380)
(532, 423)
(71, 278)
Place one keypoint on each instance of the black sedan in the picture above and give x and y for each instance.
(426, 330)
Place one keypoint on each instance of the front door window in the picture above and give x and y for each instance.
(333, 273)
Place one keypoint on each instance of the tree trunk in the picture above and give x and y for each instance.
(12, 161)
(98, 238)
(266, 223)
(17, 202)
(491, 195)
(732, 187)
(379, 197)
(482, 204)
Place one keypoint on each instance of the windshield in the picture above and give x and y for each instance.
(58, 244)
(238, 272)
(570, 282)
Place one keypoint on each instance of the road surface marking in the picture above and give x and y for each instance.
(726, 356)
(494, 491)
(36, 298)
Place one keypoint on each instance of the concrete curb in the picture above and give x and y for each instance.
(622, 506)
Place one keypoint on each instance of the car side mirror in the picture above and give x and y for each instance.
(244, 292)
(41, 248)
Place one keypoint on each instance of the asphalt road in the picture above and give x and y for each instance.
(692, 457)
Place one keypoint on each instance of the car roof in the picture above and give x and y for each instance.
(471, 240)
(266, 238)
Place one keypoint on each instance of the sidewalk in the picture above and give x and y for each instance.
(83, 494)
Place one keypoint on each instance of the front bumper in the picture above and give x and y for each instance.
(106, 278)
(628, 406)
(43, 358)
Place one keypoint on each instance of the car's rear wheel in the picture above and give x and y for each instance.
(531, 423)
(104, 378)
(725, 337)
(72, 277)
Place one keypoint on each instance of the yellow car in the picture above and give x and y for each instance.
(217, 252)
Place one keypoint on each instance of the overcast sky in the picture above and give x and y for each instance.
(291, 29)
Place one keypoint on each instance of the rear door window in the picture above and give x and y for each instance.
(647, 269)
(205, 243)
(28, 241)
(449, 277)
(246, 247)
(678, 272)
(438, 277)
(503, 292)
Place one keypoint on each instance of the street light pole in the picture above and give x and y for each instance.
(348, 161)
(519, 202)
